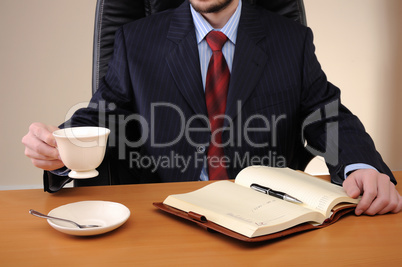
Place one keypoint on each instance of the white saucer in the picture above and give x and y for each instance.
(109, 215)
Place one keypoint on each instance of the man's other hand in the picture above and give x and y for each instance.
(379, 195)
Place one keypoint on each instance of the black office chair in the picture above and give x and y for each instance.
(111, 14)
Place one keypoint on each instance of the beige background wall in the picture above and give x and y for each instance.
(46, 54)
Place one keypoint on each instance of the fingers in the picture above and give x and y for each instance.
(377, 197)
(399, 205)
(379, 193)
(36, 148)
(44, 133)
(48, 165)
(40, 147)
(352, 187)
(355, 185)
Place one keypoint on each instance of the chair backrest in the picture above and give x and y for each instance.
(111, 14)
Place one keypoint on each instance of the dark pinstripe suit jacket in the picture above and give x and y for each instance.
(276, 83)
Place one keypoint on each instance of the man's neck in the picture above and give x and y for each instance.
(220, 18)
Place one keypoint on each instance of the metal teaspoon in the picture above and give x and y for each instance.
(38, 214)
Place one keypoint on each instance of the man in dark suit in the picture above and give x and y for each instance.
(155, 100)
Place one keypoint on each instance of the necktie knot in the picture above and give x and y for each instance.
(216, 40)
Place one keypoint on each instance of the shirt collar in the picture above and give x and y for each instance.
(202, 27)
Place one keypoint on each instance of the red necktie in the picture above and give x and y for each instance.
(216, 89)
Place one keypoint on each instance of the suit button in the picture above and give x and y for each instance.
(200, 149)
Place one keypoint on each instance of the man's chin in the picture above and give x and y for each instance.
(212, 6)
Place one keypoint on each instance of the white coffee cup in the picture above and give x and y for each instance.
(82, 149)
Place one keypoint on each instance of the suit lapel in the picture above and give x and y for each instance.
(249, 61)
(183, 60)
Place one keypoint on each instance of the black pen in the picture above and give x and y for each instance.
(274, 193)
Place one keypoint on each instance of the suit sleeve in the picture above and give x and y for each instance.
(330, 129)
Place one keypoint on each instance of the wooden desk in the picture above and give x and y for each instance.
(151, 237)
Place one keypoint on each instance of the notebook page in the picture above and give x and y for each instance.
(240, 208)
(315, 193)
